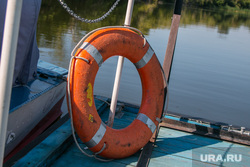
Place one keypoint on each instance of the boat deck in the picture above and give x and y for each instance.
(172, 147)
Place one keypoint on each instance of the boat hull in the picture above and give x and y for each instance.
(31, 103)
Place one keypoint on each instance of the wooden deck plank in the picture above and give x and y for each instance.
(197, 139)
(73, 157)
(132, 160)
(185, 152)
(166, 143)
(159, 159)
(126, 119)
(119, 123)
(182, 146)
(131, 109)
(201, 153)
(172, 148)
(77, 158)
(45, 152)
(128, 115)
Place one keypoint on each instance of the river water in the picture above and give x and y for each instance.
(210, 75)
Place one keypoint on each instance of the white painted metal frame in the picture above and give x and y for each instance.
(119, 69)
(8, 56)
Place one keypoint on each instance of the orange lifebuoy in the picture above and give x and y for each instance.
(97, 48)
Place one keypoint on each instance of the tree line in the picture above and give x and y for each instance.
(240, 4)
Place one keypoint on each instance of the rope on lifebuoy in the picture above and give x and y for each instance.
(72, 125)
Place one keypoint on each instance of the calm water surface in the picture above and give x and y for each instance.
(210, 76)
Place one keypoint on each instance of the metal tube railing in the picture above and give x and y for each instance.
(8, 56)
(119, 69)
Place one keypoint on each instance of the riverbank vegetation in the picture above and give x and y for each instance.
(146, 16)
(239, 4)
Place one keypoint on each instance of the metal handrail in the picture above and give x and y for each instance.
(8, 57)
(119, 69)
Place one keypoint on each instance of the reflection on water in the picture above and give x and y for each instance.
(210, 73)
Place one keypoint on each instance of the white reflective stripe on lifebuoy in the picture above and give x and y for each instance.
(145, 59)
(97, 137)
(146, 120)
(93, 52)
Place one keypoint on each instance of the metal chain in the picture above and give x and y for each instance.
(72, 13)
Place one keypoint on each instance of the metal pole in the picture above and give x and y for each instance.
(167, 63)
(119, 69)
(8, 56)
